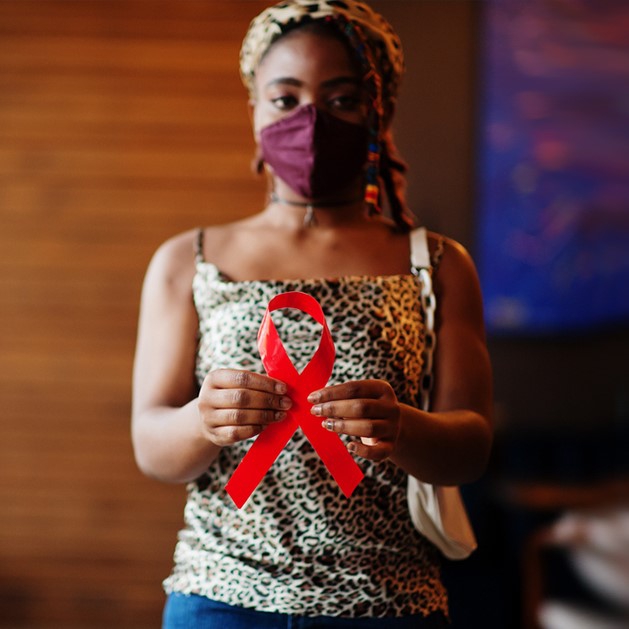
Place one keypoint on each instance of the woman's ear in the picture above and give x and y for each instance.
(251, 105)
(257, 163)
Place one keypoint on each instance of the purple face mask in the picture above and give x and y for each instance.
(315, 153)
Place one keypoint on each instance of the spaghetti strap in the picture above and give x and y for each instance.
(198, 246)
(436, 258)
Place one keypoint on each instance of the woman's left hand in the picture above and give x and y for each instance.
(367, 409)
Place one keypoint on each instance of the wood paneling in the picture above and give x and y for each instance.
(122, 122)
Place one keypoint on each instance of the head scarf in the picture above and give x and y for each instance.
(379, 51)
(376, 33)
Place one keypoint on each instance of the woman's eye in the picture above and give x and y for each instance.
(284, 102)
(345, 103)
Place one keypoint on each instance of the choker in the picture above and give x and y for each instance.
(309, 218)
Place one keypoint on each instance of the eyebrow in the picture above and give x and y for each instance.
(335, 82)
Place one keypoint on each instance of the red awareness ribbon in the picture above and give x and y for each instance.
(272, 440)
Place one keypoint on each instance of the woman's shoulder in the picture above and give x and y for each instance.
(456, 278)
(448, 252)
(173, 264)
(176, 252)
(185, 248)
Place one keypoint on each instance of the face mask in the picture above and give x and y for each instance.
(315, 153)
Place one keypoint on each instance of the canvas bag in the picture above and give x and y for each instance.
(437, 512)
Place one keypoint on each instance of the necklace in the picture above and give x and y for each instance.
(310, 218)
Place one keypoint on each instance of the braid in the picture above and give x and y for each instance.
(392, 172)
(383, 164)
(373, 83)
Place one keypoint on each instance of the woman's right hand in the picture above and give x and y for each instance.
(235, 405)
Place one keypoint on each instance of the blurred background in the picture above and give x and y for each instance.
(123, 122)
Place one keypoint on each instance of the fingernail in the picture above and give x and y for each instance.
(279, 416)
(352, 447)
(280, 388)
(328, 424)
(286, 402)
(316, 410)
(314, 397)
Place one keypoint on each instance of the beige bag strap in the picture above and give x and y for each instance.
(420, 255)
(438, 513)
(422, 269)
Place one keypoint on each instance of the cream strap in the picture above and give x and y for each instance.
(422, 269)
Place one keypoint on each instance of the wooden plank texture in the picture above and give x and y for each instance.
(121, 123)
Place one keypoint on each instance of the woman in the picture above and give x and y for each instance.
(322, 80)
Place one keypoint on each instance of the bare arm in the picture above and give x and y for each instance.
(449, 445)
(177, 429)
(166, 430)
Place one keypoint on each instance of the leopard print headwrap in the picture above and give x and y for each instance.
(385, 46)
(379, 50)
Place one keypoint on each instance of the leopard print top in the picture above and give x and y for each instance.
(298, 546)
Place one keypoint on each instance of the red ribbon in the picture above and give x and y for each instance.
(271, 441)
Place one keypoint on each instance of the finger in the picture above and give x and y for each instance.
(228, 435)
(372, 389)
(357, 409)
(247, 398)
(240, 379)
(377, 452)
(373, 429)
(244, 417)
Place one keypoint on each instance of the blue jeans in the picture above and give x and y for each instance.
(197, 612)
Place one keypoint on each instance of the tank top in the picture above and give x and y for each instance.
(299, 546)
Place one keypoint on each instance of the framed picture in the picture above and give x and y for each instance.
(553, 168)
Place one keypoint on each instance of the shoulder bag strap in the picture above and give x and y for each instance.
(422, 269)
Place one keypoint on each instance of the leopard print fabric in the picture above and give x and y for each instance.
(298, 546)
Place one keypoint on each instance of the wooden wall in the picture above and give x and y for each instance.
(122, 123)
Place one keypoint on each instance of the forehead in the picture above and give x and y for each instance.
(308, 57)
